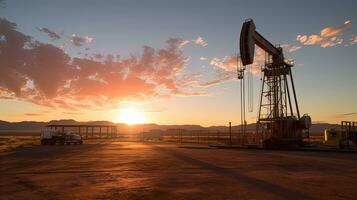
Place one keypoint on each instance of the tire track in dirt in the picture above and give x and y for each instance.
(221, 171)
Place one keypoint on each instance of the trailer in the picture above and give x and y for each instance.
(52, 137)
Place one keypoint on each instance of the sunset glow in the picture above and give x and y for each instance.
(131, 116)
(176, 70)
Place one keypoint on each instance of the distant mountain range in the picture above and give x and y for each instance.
(35, 126)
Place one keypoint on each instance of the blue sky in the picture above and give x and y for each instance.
(325, 77)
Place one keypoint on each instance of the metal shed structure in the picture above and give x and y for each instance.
(88, 131)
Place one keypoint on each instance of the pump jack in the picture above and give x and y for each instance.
(278, 126)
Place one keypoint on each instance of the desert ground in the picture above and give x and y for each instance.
(12, 141)
(111, 169)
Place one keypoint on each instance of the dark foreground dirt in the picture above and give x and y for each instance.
(128, 170)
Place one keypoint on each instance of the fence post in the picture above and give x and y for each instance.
(230, 133)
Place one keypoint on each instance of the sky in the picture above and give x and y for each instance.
(168, 62)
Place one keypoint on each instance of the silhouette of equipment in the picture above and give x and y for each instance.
(279, 122)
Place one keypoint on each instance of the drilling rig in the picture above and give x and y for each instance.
(279, 122)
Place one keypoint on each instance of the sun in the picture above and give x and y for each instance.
(130, 116)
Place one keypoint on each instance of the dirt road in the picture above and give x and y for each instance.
(128, 170)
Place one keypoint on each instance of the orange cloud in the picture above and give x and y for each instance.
(46, 75)
(33, 114)
(229, 63)
(71, 113)
(226, 67)
(221, 79)
(327, 37)
(332, 42)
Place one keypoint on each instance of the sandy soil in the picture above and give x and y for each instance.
(8, 143)
(129, 170)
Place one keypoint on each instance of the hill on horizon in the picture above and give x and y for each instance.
(35, 126)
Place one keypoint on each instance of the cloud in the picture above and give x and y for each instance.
(200, 41)
(290, 48)
(342, 116)
(46, 75)
(348, 114)
(98, 56)
(332, 42)
(222, 72)
(353, 40)
(33, 114)
(229, 63)
(328, 36)
(51, 34)
(226, 67)
(183, 43)
(79, 40)
(332, 31)
(203, 58)
(215, 82)
(71, 113)
(189, 79)
(179, 42)
(7, 97)
(211, 83)
(192, 93)
(301, 38)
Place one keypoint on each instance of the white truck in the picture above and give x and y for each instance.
(53, 137)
